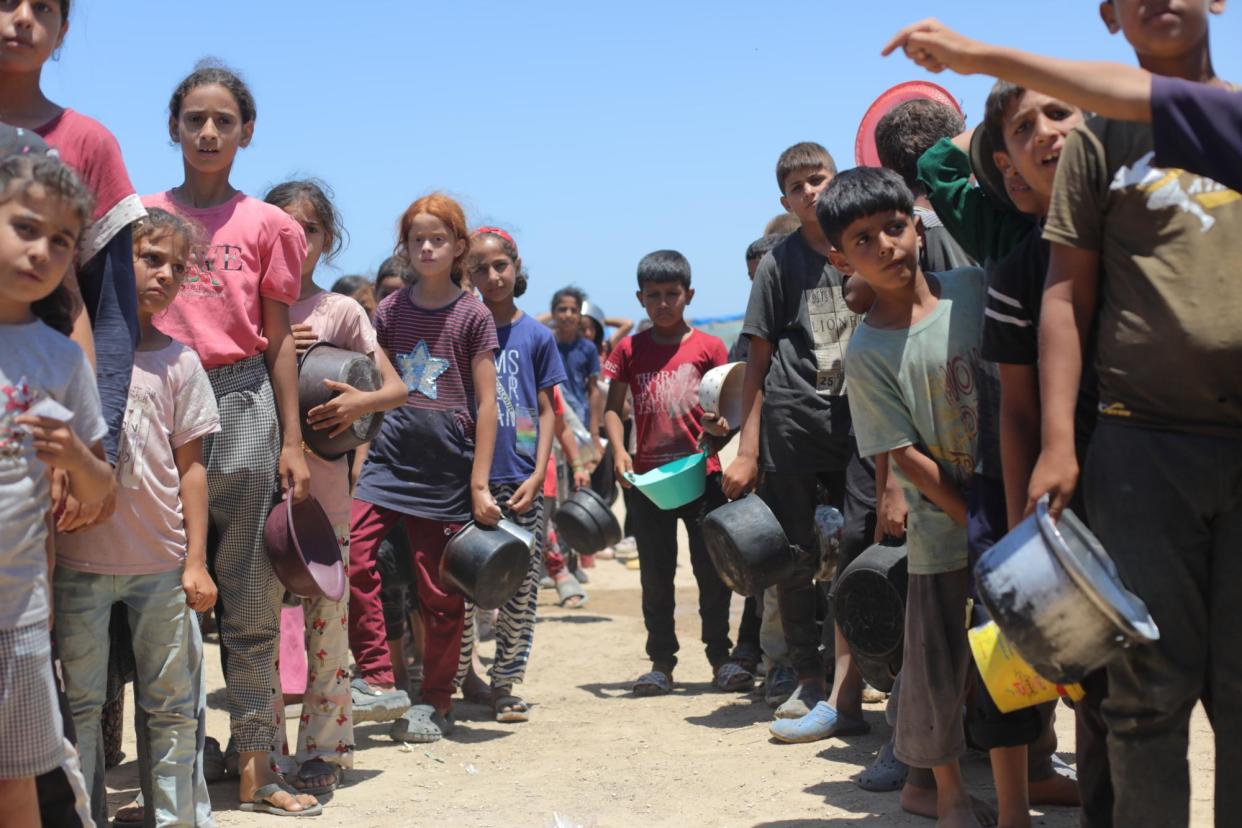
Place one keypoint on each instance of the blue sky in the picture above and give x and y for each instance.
(595, 132)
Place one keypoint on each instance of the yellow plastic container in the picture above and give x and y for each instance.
(1012, 683)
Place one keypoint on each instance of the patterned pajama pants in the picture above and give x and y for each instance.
(242, 460)
(515, 623)
(325, 728)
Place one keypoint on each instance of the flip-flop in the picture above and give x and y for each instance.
(567, 589)
(886, 774)
(653, 683)
(313, 769)
(214, 769)
(732, 677)
(510, 709)
(132, 814)
(421, 724)
(823, 722)
(258, 803)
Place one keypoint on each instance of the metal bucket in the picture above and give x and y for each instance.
(323, 361)
(748, 545)
(487, 564)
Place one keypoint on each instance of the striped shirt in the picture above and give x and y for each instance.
(420, 462)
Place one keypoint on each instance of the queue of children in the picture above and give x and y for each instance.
(927, 354)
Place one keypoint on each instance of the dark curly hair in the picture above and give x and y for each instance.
(17, 174)
(319, 196)
(207, 72)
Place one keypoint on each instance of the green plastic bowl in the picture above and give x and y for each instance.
(674, 484)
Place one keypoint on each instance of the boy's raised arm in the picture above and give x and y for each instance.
(1111, 89)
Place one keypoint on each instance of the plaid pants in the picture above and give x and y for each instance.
(515, 623)
(242, 461)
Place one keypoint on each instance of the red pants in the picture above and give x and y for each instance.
(442, 612)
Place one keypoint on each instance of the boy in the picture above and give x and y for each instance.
(1197, 126)
(796, 427)
(755, 252)
(663, 367)
(913, 367)
(1154, 252)
(581, 360)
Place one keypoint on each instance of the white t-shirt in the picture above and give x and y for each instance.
(36, 364)
(170, 404)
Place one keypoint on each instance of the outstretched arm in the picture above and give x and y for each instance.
(1111, 89)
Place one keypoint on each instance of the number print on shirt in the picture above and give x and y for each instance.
(419, 370)
(832, 325)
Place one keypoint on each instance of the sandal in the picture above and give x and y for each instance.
(260, 804)
(315, 769)
(886, 774)
(567, 589)
(132, 814)
(422, 724)
(214, 768)
(509, 708)
(654, 683)
(732, 677)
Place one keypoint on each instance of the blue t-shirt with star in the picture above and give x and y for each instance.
(526, 364)
(420, 461)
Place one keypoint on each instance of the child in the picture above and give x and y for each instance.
(358, 288)
(913, 367)
(663, 367)
(233, 310)
(1196, 125)
(325, 729)
(429, 466)
(394, 274)
(796, 425)
(581, 358)
(1148, 256)
(528, 368)
(151, 555)
(51, 421)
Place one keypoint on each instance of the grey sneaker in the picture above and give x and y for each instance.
(422, 724)
(801, 703)
(371, 705)
(780, 683)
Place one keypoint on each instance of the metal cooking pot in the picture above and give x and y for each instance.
(487, 564)
(869, 603)
(302, 547)
(323, 361)
(585, 522)
(748, 545)
(1056, 595)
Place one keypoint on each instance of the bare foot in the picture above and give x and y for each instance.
(1055, 790)
(958, 813)
(922, 802)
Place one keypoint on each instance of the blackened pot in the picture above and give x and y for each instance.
(323, 361)
(487, 564)
(869, 604)
(585, 522)
(748, 546)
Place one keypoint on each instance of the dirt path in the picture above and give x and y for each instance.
(600, 757)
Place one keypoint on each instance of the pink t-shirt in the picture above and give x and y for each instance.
(90, 149)
(340, 321)
(252, 251)
(664, 380)
(170, 404)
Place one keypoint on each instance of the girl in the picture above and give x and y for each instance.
(528, 367)
(430, 463)
(151, 555)
(108, 330)
(325, 730)
(233, 310)
(50, 420)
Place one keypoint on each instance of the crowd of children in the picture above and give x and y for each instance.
(1039, 307)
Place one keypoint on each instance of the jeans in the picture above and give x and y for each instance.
(168, 654)
(1168, 508)
(655, 531)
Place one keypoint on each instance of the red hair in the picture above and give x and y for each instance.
(446, 210)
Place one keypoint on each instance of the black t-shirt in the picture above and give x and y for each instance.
(1011, 326)
(797, 303)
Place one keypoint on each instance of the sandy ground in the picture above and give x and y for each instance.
(594, 755)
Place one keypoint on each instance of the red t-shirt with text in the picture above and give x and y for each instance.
(664, 379)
